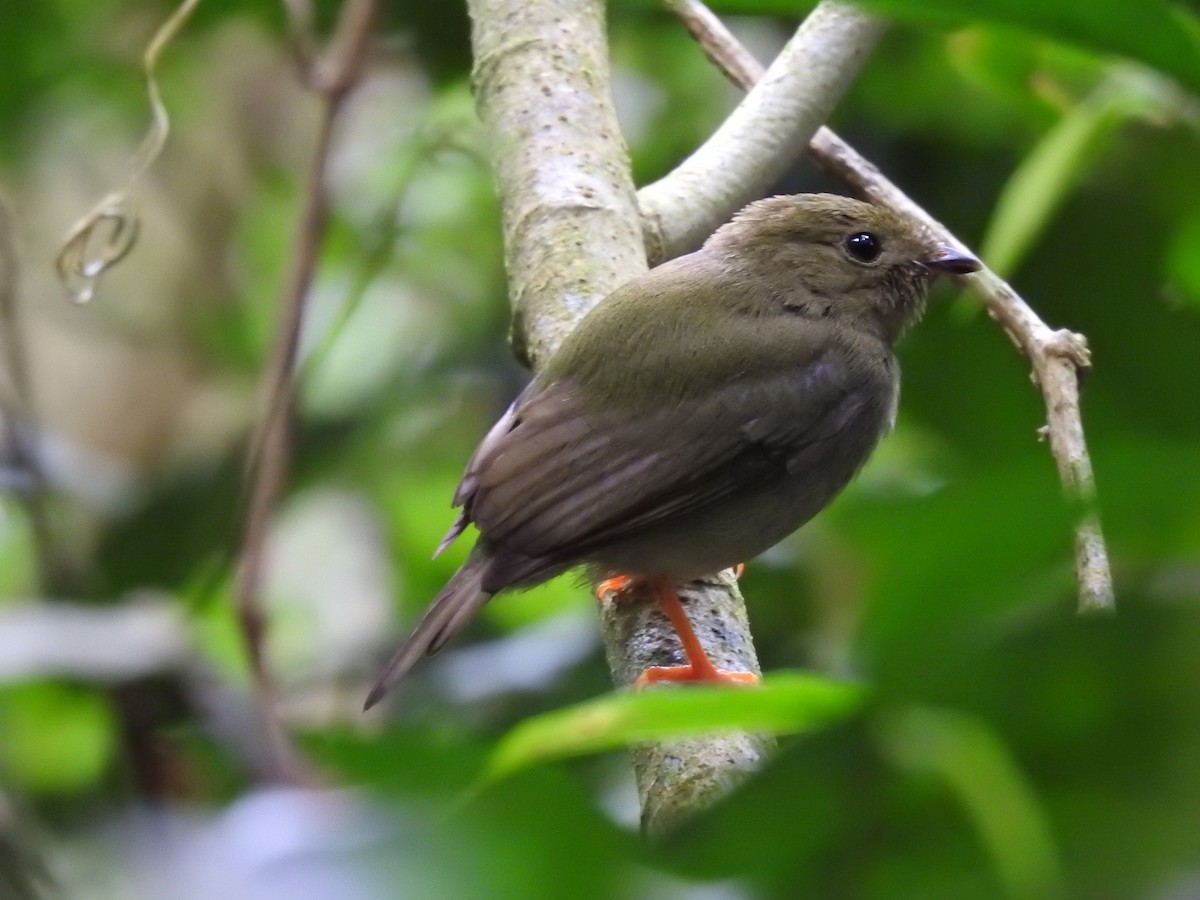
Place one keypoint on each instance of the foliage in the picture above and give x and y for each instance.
(998, 747)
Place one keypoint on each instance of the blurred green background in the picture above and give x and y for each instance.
(999, 746)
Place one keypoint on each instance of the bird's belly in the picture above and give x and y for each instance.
(734, 531)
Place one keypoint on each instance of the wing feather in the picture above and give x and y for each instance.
(573, 464)
(554, 491)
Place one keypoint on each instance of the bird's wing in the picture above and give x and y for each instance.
(551, 480)
(725, 399)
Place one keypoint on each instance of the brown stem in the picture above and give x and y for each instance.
(56, 571)
(331, 75)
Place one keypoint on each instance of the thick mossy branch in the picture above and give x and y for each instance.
(571, 230)
(677, 778)
(572, 234)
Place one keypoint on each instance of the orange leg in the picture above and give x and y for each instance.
(699, 667)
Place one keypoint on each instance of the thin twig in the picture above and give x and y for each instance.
(301, 38)
(1057, 356)
(103, 237)
(763, 135)
(334, 74)
(20, 419)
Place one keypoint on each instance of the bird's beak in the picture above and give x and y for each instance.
(952, 262)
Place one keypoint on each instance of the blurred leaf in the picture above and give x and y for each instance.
(1059, 161)
(18, 553)
(829, 816)
(786, 702)
(670, 97)
(985, 549)
(942, 101)
(1150, 499)
(529, 606)
(181, 532)
(1158, 32)
(1013, 68)
(1037, 187)
(218, 633)
(972, 760)
(400, 761)
(1162, 33)
(1183, 258)
(1095, 722)
(54, 738)
(533, 836)
(27, 42)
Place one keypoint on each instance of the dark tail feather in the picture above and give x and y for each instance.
(451, 609)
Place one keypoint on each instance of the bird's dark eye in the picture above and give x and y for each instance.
(864, 247)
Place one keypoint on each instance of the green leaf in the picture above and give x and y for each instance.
(785, 703)
(1183, 258)
(1157, 32)
(971, 759)
(1056, 164)
(54, 738)
(1013, 70)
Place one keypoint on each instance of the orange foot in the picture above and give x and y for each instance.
(699, 667)
(709, 674)
(613, 585)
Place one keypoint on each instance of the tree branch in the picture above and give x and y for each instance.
(572, 235)
(332, 75)
(678, 778)
(571, 232)
(764, 134)
(1057, 356)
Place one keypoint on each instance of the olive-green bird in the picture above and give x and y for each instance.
(698, 415)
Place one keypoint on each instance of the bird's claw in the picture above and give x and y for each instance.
(613, 585)
(690, 673)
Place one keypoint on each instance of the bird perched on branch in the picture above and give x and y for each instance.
(698, 415)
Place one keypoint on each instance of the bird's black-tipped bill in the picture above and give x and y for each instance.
(953, 262)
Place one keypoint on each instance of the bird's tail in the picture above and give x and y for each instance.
(454, 606)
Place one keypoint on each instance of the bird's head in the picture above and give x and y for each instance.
(839, 258)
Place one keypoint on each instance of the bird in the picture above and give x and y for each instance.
(697, 415)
